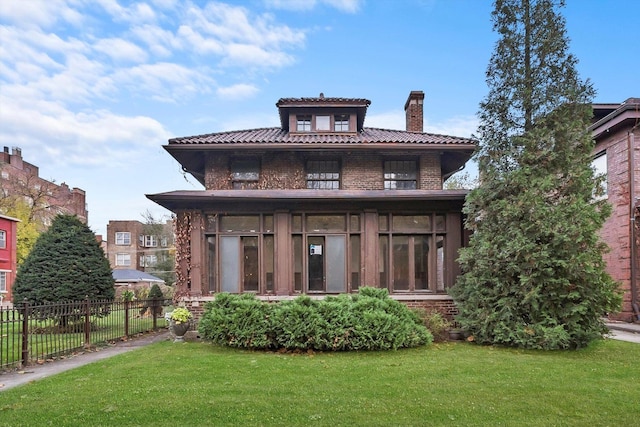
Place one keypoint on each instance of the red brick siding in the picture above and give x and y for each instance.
(616, 230)
(360, 171)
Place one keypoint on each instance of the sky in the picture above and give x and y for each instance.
(91, 90)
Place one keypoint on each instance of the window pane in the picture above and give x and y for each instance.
(401, 263)
(303, 123)
(400, 175)
(240, 223)
(355, 262)
(421, 262)
(599, 165)
(355, 223)
(326, 223)
(268, 262)
(297, 263)
(341, 123)
(441, 223)
(323, 123)
(211, 267)
(323, 174)
(268, 223)
(440, 285)
(229, 267)
(412, 222)
(296, 223)
(383, 223)
(250, 265)
(383, 261)
(212, 222)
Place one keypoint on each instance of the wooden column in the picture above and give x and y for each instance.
(370, 249)
(282, 253)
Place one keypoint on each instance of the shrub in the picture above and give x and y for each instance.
(367, 321)
(435, 323)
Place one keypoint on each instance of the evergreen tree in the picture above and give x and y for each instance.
(533, 273)
(66, 264)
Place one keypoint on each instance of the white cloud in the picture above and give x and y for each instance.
(38, 13)
(121, 50)
(136, 14)
(461, 126)
(348, 6)
(164, 81)
(237, 91)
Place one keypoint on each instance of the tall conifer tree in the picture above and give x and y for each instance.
(533, 273)
(66, 264)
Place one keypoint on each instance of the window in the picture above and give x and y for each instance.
(241, 253)
(148, 260)
(3, 239)
(303, 123)
(341, 123)
(400, 175)
(123, 259)
(150, 241)
(412, 253)
(599, 165)
(323, 123)
(123, 238)
(323, 174)
(245, 173)
(3, 281)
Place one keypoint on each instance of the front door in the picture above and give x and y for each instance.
(326, 263)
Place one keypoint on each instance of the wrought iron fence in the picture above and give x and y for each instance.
(38, 333)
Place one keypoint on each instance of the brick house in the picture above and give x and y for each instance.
(320, 205)
(19, 178)
(616, 131)
(133, 245)
(8, 257)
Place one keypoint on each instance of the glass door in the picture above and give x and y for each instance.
(326, 264)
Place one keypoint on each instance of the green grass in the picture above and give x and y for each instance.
(457, 384)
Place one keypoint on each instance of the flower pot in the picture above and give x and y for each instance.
(178, 330)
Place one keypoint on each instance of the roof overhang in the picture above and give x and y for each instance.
(299, 199)
(192, 156)
(626, 114)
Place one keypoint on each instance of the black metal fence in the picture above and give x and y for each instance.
(39, 333)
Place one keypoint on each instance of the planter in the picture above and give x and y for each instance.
(456, 335)
(179, 329)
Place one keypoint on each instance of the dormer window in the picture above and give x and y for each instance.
(341, 123)
(323, 123)
(303, 123)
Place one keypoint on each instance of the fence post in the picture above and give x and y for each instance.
(126, 318)
(87, 323)
(155, 311)
(25, 332)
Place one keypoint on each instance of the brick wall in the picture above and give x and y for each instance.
(616, 231)
(360, 170)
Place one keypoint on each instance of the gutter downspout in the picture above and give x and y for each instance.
(632, 224)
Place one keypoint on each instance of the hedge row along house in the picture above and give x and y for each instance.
(320, 205)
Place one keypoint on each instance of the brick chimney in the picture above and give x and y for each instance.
(413, 111)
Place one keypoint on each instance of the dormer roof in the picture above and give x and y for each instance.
(286, 106)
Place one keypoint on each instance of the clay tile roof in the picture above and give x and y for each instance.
(279, 136)
(315, 101)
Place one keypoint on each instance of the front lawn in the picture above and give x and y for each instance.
(455, 384)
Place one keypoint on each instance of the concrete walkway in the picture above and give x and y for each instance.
(619, 330)
(33, 373)
(624, 331)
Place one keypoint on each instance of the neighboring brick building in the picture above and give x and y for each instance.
(132, 245)
(20, 178)
(320, 205)
(616, 130)
(8, 257)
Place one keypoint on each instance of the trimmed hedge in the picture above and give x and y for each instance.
(369, 320)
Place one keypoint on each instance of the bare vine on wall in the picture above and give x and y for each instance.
(183, 227)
